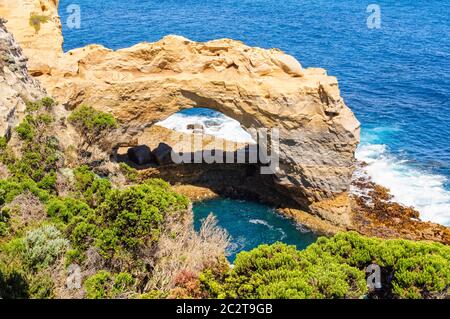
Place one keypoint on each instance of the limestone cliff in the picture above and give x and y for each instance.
(16, 85)
(148, 82)
(37, 27)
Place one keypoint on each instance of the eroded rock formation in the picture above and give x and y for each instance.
(37, 27)
(260, 88)
(16, 85)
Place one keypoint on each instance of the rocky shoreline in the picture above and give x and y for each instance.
(375, 213)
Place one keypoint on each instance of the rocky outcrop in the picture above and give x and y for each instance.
(260, 88)
(16, 85)
(37, 27)
(374, 213)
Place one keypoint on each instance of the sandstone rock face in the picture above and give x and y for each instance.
(260, 88)
(43, 47)
(16, 85)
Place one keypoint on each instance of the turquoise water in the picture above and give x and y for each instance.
(396, 78)
(250, 224)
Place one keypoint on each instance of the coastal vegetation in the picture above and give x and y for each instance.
(136, 239)
(36, 20)
(336, 268)
(112, 233)
(93, 125)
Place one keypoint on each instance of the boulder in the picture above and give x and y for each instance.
(140, 155)
(162, 154)
(195, 127)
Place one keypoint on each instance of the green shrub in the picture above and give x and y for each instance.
(83, 235)
(335, 268)
(104, 285)
(280, 271)
(45, 104)
(39, 152)
(425, 276)
(5, 216)
(154, 294)
(84, 177)
(98, 285)
(92, 124)
(3, 143)
(116, 221)
(33, 106)
(122, 282)
(65, 209)
(43, 246)
(74, 256)
(48, 182)
(137, 213)
(10, 189)
(25, 130)
(108, 243)
(37, 20)
(91, 120)
(130, 173)
(43, 119)
(41, 287)
(91, 188)
(48, 102)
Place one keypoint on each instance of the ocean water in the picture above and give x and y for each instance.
(251, 224)
(396, 78)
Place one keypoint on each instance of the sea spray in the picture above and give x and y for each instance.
(213, 123)
(409, 185)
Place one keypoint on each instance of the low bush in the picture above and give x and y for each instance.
(335, 268)
(25, 130)
(36, 20)
(46, 104)
(3, 143)
(90, 187)
(129, 172)
(64, 210)
(104, 285)
(43, 246)
(10, 189)
(4, 221)
(134, 216)
(39, 152)
(92, 124)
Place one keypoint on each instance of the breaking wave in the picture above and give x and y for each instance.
(409, 185)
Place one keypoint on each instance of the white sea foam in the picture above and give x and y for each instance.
(213, 122)
(283, 234)
(260, 222)
(409, 186)
(264, 223)
(303, 229)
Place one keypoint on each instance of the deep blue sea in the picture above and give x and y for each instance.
(395, 78)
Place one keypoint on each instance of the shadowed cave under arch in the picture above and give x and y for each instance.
(237, 176)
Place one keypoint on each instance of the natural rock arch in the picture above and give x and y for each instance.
(148, 82)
